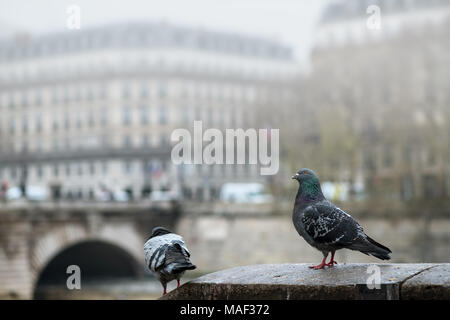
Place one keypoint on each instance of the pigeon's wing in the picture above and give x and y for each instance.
(177, 259)
(154, 254)
(176, 254)
(155, 250)
(327, 224)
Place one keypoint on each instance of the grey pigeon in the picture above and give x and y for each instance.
(326, 227)
(167, 256)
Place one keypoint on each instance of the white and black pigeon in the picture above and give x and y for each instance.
(167, 256)
(326, 227)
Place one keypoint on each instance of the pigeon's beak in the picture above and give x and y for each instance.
(295, 176)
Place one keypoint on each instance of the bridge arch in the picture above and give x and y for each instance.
(101, 256)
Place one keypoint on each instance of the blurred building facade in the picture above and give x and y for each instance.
(89, 111)
(377, 100)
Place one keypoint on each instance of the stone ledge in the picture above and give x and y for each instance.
(298, 282)
(432, 283)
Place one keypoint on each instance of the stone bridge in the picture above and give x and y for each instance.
(38, 242)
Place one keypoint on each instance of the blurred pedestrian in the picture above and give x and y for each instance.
(3, 190)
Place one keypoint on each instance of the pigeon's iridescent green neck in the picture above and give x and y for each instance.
(309, 189)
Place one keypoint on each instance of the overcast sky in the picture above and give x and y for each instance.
(290, 21)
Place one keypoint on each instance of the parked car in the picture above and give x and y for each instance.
(33, 193)
(244, 193)
(162, 196)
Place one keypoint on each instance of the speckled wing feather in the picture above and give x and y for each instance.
(155, 249)
(327, 224)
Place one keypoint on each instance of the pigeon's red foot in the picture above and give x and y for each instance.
(331, 263)
(178, 283)
(319, 266)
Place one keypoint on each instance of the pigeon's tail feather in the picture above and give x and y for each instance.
(373, 248)
(382, 256)
(378, 245)
(177, 260)
(378, 250)
(183, 267)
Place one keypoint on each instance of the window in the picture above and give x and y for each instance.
(104, 140)
(78, 95)
(24, 100)
(90, 94)
(38, 124)
(55, 125)
(125, 91)
(144, 91)
(407, 188)
(128, 167)
(185, 113)
(369, 160)
(38, 99)
(92, 168)
(388, 157)
(105, 167)
(13, 173)
(102, 92)
(430, 186)
(11, 102)
(78, 122)
(145, 141)
(12, 126)
(162, 115)
(66, 122)
(55, 144)
(91, 194)
(55, 170)
(127, 142)
(162, 91)
(39, 146)
(163, 140)
(431, 158)
(91, 121)
(126, 116)
(54, 96)
(66, 95)
(66, 145)
(103, 117)
(144, 115)
(80, 169)
(25, 125)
